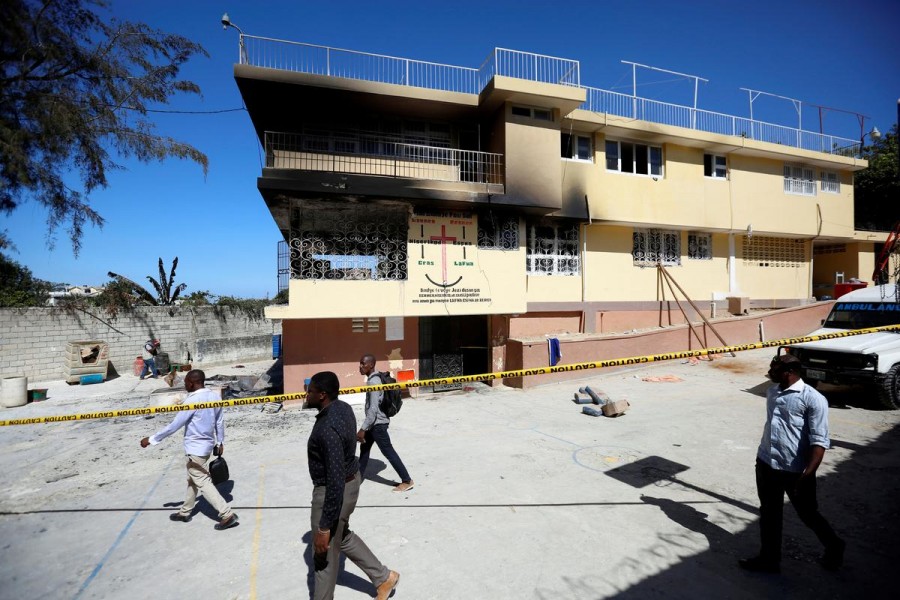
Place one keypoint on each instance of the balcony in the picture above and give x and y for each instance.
(361, 153)
(336, 62)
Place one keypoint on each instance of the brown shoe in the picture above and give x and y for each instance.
(405, 486)
(228, 523)
(384, 590)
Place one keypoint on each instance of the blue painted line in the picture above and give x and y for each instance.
(122, 533)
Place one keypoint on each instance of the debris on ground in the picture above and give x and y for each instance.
(615, 409)
(591, 411)
(599, 398)
(663, 379)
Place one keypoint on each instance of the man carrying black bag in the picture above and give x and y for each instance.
(202, 429)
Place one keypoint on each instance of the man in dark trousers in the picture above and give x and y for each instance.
(374, 429)
(793, 444)
(334, 471)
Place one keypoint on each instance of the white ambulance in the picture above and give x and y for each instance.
(872, 359)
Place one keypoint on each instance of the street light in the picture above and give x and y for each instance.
(226, 23)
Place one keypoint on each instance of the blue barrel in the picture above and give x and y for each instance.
(89, 379)
(276, 345)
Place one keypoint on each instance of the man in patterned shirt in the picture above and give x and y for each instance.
(793, 444)
(334, 471)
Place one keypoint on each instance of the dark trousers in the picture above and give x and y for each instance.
(771, 485)
(379, 435)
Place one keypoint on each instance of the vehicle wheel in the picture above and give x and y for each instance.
(889, 390)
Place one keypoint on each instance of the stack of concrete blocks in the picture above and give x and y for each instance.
(607, 407)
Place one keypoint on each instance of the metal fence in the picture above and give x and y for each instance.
(369, 154)
(624, 105)
(336, 62)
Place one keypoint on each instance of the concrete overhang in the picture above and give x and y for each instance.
(502, 89)
(275, 98)
(656, 133)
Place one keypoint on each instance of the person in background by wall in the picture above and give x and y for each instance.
(204, 434)
(151, 349)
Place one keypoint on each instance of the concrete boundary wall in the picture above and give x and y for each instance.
(33, 340)
(532, 353)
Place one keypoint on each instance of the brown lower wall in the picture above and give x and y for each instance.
(789, 322)
(312, 345)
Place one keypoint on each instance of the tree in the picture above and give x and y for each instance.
(166, 294)
(877, 189)
(75, 91)
(18, 287)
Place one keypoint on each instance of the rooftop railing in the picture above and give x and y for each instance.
(336, 62)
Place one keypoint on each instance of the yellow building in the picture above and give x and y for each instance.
(434, 212)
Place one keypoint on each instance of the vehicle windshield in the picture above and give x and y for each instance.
(861, 315)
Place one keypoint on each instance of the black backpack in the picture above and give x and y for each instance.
(391, 402)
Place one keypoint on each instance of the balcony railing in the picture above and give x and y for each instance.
(336, 62)
(368, 154)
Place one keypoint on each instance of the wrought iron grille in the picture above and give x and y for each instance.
(350, 242)
(651, 247)
(551, 249)
(700, 246)
(498, 232)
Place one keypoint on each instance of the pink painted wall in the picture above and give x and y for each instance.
(788, 322)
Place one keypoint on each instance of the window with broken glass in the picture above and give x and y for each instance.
(699, 246)
(551, 249)
(498, 232)
(349, 242)
(651, 247)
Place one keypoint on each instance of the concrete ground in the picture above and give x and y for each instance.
(518, 495)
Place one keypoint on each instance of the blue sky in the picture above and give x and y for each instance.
(838, 54)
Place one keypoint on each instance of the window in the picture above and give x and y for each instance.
(335, 241)
(551, 249)
(799, 180)
(498, 232)
(539, 114)
(640, 159)
(829, 249)
(830, 182)
(764, 251)
(577, 147)
(714, 166)
(699, 246)
(651, 247)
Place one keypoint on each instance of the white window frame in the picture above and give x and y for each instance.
(699, 245)
(656, 246)
(635, 148)
(559, 254)
(718, 166)
(799, 180)
(830, 182)
(574, 147)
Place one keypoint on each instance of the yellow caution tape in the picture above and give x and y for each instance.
(613, 362)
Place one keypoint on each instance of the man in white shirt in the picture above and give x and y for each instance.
(202, 429)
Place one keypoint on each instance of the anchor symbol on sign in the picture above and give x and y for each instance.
(443, 238)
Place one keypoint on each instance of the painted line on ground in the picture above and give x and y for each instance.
(613, 362)
(122, 533)
(254, 554)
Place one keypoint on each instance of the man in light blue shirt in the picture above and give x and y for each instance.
(793, 445)
(202, 429)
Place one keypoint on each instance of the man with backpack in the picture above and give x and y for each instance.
(374, 428)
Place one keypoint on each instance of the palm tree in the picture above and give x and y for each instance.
(166, 295)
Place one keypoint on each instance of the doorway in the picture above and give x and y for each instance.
(453, 346)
